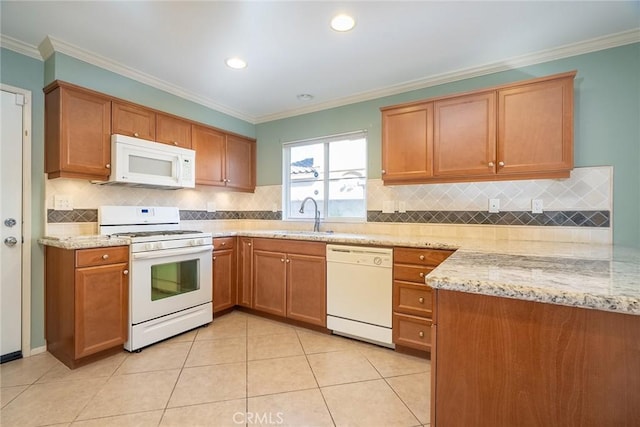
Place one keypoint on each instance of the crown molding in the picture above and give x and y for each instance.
(51, 44)
(574, 49)
(19, 47)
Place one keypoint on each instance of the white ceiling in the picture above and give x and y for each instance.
(181, 46)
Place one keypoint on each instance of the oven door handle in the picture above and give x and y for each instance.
(172, 252)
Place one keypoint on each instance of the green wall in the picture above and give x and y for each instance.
(28, 73)
(607, 124)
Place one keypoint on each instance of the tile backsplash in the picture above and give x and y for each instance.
(583, 201)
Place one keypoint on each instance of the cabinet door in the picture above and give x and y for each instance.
(224, 284)
(101, 307)
(78, 132)
(210, 148)
(245, 272)
(173, 131)
(132, 120)
(535, 127)
(465, 135)
(241, 163)
(407, 143)
(269, 281)
(306, 289)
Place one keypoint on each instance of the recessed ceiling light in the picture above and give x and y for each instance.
(342, 22)
(236, 63)
(305, 97)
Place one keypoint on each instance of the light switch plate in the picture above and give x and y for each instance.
(536, 206)
(62, 202)
(494, 205)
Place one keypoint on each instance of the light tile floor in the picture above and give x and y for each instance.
(240, 370)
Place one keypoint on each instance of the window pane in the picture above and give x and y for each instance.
(347, 198)
(307, 162)
(347, 154)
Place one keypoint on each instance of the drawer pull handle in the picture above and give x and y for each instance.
(421, 257)
(421, 334)
(421, 300)
(105, 256)
(421, 274)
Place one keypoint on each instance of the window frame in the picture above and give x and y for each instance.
(326, 141)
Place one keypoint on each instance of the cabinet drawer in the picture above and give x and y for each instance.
(412, 299)
(102, 256)
(410, 273)
(430, 257)
(412, 331)
(223, 243)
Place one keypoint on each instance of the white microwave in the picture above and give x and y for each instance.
(140, 163)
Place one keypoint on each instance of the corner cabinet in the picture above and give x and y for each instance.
(77, 133)
(224, 160)
(289, 279)
(224, 273)
(87, 302)
(522, 130)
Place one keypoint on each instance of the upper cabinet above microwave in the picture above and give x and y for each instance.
(79, 124)
(522, 130)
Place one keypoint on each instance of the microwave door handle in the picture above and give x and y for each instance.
(172, 252)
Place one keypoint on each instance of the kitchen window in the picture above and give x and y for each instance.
(333, 171)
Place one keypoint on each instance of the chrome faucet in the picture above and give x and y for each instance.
(316, 224)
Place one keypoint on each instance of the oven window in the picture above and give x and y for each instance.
(174, 278)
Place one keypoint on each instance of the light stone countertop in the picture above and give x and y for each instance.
(601, 277)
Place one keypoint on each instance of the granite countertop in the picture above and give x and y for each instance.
(601, 277)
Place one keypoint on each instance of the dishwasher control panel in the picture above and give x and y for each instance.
(360, 255)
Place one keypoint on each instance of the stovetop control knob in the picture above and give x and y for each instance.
(159, 245)
(148, 246)
(195, 242)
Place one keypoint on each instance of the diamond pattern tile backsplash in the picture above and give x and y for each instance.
(583, 200)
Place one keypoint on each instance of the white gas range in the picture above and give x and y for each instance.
(170, 285)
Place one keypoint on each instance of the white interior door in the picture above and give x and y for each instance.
(11, 225)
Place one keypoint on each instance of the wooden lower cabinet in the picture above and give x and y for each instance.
(245, 272)
(289, 279)
(87, 302)
(507, 362)
(412, 298)
(224, 273)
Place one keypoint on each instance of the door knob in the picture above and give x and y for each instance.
(10, 241)
(9, 222)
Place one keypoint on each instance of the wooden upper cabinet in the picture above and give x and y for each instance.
(535, 127)
(465, 135)
(241, 163)
(77, 133)
(407, 143)
(173, 131)
(133, 120)
(522, 130)
(209, 145)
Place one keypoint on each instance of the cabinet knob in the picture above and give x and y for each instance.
(125, 272)
(501, 164)
(248, 244)
(421, 257)
(105, 256)
(421, 300)
(421, 274)
(383, 171)
(281, 259)
(288, 260)
(214, 258)
(108, 166)
(228, 180)
(491, 164)
(421, 334)
(136, 134)
(224, 243)
(175, 142)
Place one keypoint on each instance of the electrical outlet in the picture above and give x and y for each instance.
(536, 206)
(402, 207)
(62, 202)
(211, 206)
(388, 206)
(494, 205)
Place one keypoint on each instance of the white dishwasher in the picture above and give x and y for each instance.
(359, 292)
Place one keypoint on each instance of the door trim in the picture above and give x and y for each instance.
(26, 216)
